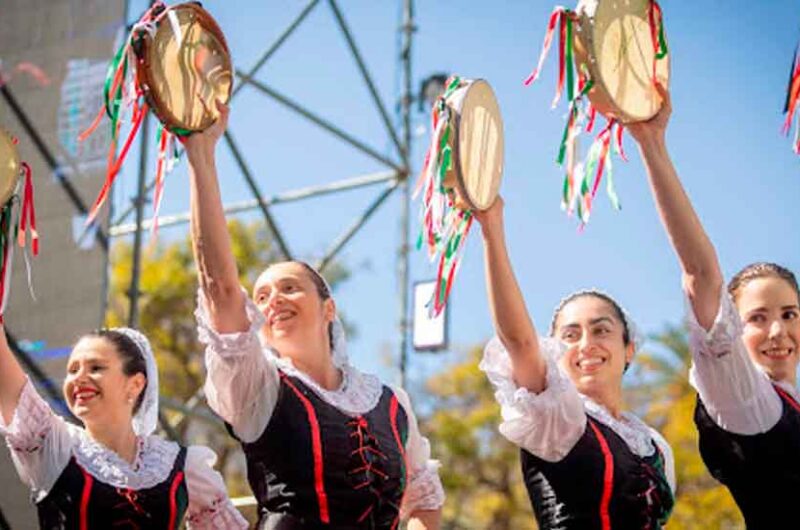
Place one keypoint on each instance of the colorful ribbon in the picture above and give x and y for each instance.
(121, 94)
(444, 227)
(582, 180)
(792, 98)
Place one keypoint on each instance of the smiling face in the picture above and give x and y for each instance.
(96, 387)
(594, 335)
(769, 310)
(296, 314)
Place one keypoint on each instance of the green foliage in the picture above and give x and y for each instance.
(480, 469)
(663, 396)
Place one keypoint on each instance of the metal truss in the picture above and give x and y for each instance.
(393, 179)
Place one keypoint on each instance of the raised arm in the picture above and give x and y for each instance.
(211, 243)
(702, 278)
(12, 379)
(510, 316)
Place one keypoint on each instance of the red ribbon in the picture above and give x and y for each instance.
(113, 170)
(28, 213)
(557, 14)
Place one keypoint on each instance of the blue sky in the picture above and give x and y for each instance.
(730, 63)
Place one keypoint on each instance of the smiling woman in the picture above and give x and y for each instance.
(744, 344)
(113, 470)
(561, 401)
(327, 446)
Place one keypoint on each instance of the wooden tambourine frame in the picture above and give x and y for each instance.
(477, 145)
(614, 44)
(161, 67)
(10, 167)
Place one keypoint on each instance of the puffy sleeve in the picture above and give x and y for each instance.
(209, 505)
(737, 395)
(242, 382)
(424, 490)
(547, 424)
(40, 442)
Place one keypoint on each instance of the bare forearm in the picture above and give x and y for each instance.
(425, 520)
(211, 244)
(12, 379)
(698, 260)
(509, 313)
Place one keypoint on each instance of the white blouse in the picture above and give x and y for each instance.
(550, 423)
(737, 394)
(242, 388)
(42, 444)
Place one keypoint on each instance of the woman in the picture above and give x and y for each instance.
(744, 343)
(111, 471)
(586, 463)
(326, 445)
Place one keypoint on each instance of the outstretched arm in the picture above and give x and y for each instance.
(509, 314)
(12, 379)
(702, 278)
(211, 243)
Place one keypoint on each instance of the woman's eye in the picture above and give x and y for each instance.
(602, 331)
(756, 319)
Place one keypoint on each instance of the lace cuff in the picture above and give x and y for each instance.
(424, 491)
(719, 340)
(228, 344)
(32, 421)
(209, 505)
(547, 424)
(219, 515)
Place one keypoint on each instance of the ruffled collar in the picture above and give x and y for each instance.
(155, 458)
(358, 394)
(636, 433)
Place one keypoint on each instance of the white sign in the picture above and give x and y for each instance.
(430, 334)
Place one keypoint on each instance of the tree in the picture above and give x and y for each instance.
(663, 396)
(480, 469)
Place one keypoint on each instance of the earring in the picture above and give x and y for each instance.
(130, 400)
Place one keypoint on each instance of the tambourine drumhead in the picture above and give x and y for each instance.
(477, 145)
(614, 41)
(187, 67)
(9, 167)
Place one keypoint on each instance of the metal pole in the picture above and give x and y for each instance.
(402, 253)
(139, 201)
(243, 167)
(280, 98)
(252, 204)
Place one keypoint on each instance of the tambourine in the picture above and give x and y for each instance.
(17, 215)
(611, 56)
(176, 63)
(10, 167)
(183, 66)
(462, 173)
(614, 43)
(477, 145)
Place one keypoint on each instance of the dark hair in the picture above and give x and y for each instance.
(758, 270)
(321, 286)
(132, 358)
(626, 333)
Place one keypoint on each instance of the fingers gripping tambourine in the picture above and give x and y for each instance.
(462, 173)
(17, 215)
(176, 62)
(612, 54)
